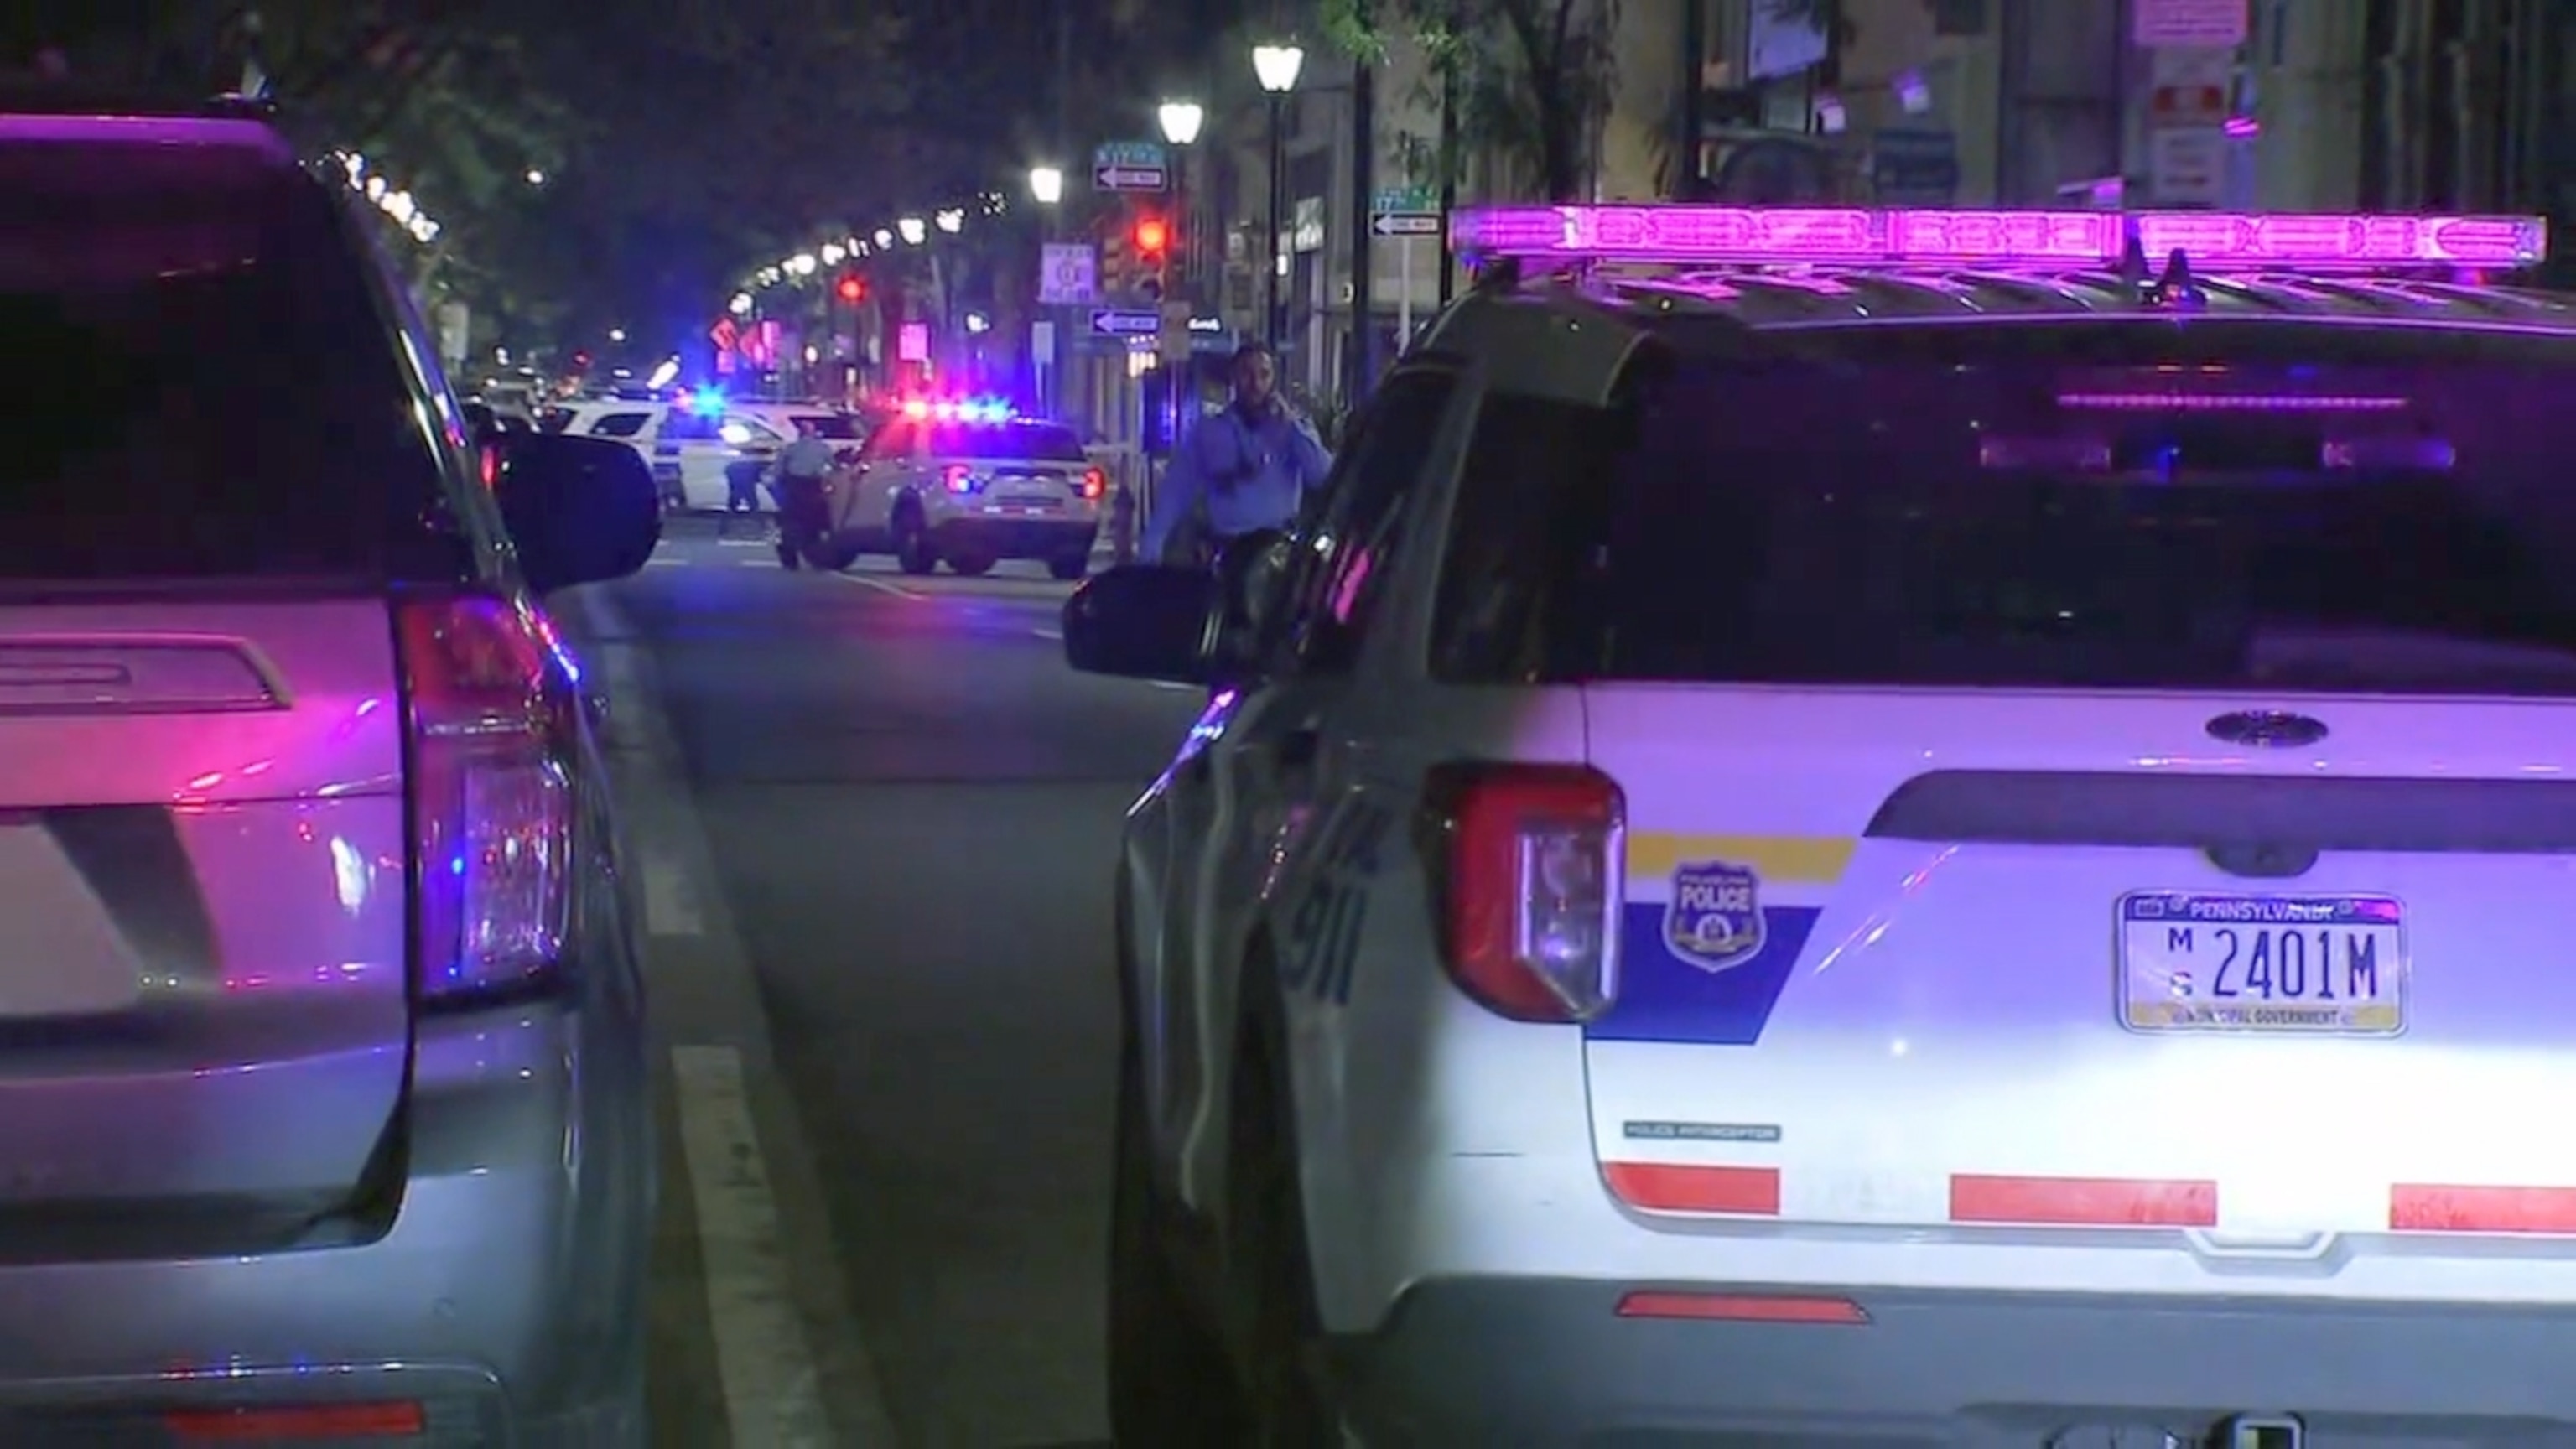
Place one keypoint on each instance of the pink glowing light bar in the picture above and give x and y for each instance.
(1855, 236)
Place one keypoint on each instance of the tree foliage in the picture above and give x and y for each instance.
(1528, 80)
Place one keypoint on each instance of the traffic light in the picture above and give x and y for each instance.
(1151, 239)
(852, 288)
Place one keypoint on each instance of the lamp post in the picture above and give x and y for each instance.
(1181, 121)
(1276, 67)
(1046, 185)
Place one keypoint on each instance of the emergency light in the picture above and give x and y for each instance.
(966, 411)
(1859, 236)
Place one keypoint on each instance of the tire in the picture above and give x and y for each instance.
(1270, 1281)
(912, 551)
(1170, 1386)
(971, 565)
(1069, 567)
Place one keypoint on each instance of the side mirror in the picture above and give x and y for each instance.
(582, 510)
(1145, 621)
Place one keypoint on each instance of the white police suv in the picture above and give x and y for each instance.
(1829, 840)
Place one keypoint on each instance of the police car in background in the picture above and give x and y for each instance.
(1831, 837)
(969, 484)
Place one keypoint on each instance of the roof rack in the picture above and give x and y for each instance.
(1738, 236)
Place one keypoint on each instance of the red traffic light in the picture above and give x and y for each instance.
(1152, 236)
(853, 287)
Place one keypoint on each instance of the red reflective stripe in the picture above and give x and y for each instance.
(397, 1420)
(1664, 1187)
(1741, 1308)
(2423, 1208)
(2084, 1201)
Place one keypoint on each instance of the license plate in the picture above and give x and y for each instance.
(1030, 500)
(2318, 965)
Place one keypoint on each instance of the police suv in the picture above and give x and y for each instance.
(969, 484)
(1826, 841)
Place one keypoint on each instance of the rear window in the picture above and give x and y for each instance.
(838, 427)
(1045, 442)
(2267, 506)
(203, 387)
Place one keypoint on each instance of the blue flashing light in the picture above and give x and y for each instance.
(707, 400)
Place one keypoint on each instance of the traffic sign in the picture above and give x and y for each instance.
(1406, 223)
(1396, 200)
(1068, 274)
(1130, 166)
(1108, 322)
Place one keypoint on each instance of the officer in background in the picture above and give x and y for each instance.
(1239, 471)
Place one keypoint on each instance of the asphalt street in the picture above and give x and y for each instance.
(872, 819)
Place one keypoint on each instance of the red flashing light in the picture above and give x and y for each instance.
(853, 288)
(1094, 484)
(1153, 235)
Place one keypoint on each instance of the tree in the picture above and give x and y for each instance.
(1528, 79)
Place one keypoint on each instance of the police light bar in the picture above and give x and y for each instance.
(1854, 236)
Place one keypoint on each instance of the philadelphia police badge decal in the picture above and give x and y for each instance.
(1714, 921)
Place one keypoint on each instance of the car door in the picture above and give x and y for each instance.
(1272, 770)
(867, 503)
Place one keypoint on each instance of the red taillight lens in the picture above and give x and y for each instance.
(1095, 484)
(1534, 878)
(960, 478)
(491, 793)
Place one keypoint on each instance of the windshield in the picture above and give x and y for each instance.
(1041, 442)
(2094, 507)
(215, 395)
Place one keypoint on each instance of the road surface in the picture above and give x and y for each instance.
(874, 819)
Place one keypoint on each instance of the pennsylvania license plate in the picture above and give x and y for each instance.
(2313, 965)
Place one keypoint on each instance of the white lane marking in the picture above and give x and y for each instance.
(1048, 633)
(773, 1395)
(883, 587)
(658, 562)
(670, 901)
(1167, 684)
(753, 563)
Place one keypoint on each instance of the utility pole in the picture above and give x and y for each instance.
(1361, 373)
(1693, 121)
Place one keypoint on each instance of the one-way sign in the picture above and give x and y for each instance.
(1126, 324)
(1128, 178)
(1406, 223)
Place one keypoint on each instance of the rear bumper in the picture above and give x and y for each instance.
(1534, 1362)
(1015, 537)
(503, 1299)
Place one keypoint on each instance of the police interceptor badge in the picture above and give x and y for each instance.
(1714, 920)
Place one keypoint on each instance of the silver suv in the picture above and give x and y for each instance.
(324, 1112)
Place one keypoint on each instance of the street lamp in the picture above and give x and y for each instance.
(912, 229)
(1181, 121)
(1276, 67)
(1046, 185)
(951, 221)
(536, 177)
(741, 304)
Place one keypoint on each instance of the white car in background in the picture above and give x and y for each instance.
(701, 442)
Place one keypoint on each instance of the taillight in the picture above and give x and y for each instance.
(1532, 875)
(960, 478)
(1095, 484)
(491, 794)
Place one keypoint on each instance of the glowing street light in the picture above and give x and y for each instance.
(616, 334)
(1046, 185)
(1181, 121)
(1276, 67)
(802, 264)
(832, 253)
(536, 177)
(912, 229)
(951, 221)
(885, 238)
(741, 304)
